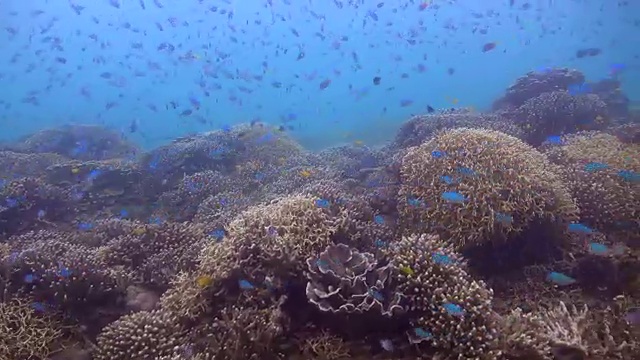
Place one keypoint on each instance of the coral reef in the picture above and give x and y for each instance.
(25, 333)
(534, 84)
(343, 280)
(458, 240)
(82, 142)
(451, 310)
(558, 112)
(602, 174)
(474, 186)
(141, 335)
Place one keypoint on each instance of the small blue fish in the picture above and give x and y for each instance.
(630, 176)
(580, 228)
(226, 128)
(560, 279)
(217, 152)
(422, 333)
(376, 295)
(595, 166)
(260, 176)
(454, 197)
(245, 285)
(380, 243)
(436, 154)
(85, 226)
(39, 307)
(322, 203)
(465, 171)
(217, 234)
(579, 89)
(12, 202)
(29, 278)
(155, 220)
(378, 219)
(447, 179)
(598, 249)
(63, 271)
(442, 259)
(124, 213)
(272, 231)
(504, 219)
(41, 214)
(554, 140)
(94, 174)
(413, 201)
(453, 309)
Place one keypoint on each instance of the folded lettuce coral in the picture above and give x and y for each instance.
(344, 280)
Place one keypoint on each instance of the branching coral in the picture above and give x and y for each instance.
(471, 186)
(155, 253)
(25, 334)
(141, 335)
(241, 333)
(325, 347)
(343, 280)
(19, 165)
(533, 84)
(559, 112)
(422, 128)
(449, 309)
(603, 175)
(563, 330)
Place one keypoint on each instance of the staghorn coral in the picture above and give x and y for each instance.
(241, 333)
(141, 335)
(563, 330)
(602, 174)
(24, 333)
(449, 309)
(558, 112)
(325, 347)
(343, 280)
(505, 184)
(155, 253)
(533, 84)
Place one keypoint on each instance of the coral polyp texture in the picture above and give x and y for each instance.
(475, 186)
(603, 175)
(141, 335)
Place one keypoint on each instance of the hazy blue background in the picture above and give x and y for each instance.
(34, 33)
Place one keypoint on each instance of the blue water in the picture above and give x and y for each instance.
(104, 66)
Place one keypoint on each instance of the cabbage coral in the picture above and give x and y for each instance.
(468, 185)
(603, 175)
(449, 309)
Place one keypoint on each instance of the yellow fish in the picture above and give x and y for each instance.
(204, 280)
(305, 173)
(75, 170)
(407, 270)
(358, 142)
(139, 231)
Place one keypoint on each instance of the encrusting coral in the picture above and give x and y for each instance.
(475, 185)
(602, 174)
(449, 309)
